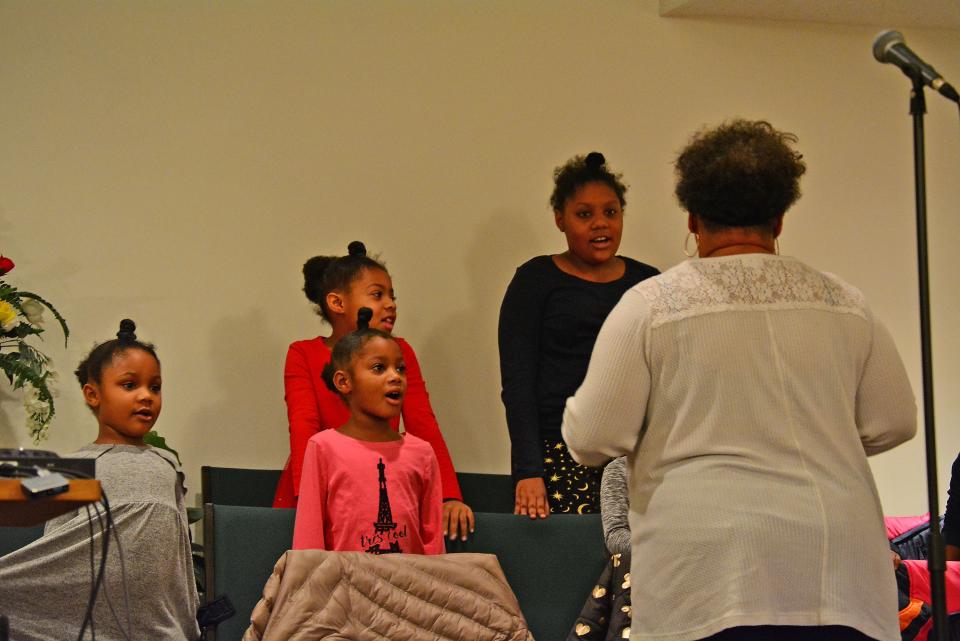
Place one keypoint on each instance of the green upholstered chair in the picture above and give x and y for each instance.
(241, 545)
(552, 564)
(487, 492)
(238, 486)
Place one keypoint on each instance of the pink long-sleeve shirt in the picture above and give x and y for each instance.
(363, 496)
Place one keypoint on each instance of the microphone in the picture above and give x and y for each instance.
(890, 47)
(364, 314)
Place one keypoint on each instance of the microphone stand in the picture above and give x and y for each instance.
(936, 561)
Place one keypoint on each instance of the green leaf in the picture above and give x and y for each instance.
(14, 366)
(26, 329)
(154, 439)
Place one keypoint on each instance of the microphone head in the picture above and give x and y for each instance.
(364, 314)
(883, 42)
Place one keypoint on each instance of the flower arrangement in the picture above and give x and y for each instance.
(26, 367)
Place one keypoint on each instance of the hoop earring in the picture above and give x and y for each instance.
(776, 246)
(686, 244)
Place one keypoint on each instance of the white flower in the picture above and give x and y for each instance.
(33, 310)
(36, 407)
(37, 427)
(53, 377)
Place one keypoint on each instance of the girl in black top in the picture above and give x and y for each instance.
(549, 320)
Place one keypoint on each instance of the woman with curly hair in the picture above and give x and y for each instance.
(747, 390)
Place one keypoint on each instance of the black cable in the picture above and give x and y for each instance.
(123, 579)
(93, 570)
(98, 581)
(105, 531)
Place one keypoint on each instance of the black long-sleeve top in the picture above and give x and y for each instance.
(951, 519)
(549, 321)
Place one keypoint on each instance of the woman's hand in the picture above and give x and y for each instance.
(531, 498)
(457, 518)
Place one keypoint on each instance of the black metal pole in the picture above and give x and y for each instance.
(936, 561)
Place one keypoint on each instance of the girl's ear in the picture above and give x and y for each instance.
(335, 302)
(558, 219)
(91, 394)
(342, 382)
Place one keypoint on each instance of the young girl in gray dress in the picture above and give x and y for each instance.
(148, 589)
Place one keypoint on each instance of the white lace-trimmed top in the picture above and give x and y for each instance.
(747, 391)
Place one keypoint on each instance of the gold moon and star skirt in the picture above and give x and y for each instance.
(571, 488)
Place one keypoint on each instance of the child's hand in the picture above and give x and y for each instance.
(457, 517)
(531, 498)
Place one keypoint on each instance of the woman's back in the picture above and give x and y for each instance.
(769, 380)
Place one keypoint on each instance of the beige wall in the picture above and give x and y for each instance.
(175, 162)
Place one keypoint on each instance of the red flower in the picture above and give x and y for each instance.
(5, 265)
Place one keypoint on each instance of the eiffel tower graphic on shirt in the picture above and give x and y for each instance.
(384, 522)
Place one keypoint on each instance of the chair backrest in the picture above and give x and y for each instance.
(487, 492)
(241, 544)
(238, 486)
(14, 538)
(552, 564)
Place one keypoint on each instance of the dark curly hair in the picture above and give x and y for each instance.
(579, 171)
(90, 369)
(325, 274)
(345, 350)
(741, 174)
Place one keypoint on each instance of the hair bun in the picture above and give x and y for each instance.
(127, 331)
(364, 314)
(356, 248)
(595, 160)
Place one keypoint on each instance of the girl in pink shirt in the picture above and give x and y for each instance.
(364, 487)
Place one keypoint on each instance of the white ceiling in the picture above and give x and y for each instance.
(892, 14)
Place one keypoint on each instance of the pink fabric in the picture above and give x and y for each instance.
(341, 499)
(897, 525)
(312, 407)
(920, 588)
